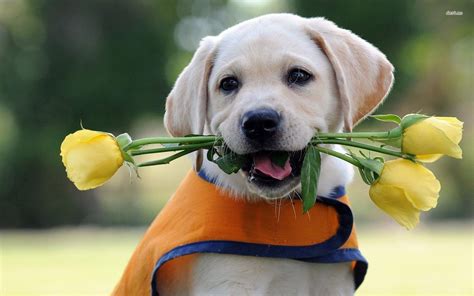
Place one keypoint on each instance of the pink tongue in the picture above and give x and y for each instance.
(265, 166)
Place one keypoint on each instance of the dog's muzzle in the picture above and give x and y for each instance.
(260, 126)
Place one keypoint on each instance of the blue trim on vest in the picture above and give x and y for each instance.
(324, 252)
(346, 255)
(338, 192)
(206, 177)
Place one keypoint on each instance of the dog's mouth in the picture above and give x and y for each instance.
(273, 168)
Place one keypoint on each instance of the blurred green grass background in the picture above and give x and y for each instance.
(431, 260)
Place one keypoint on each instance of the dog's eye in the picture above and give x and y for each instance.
(298, 76)
(229, 84)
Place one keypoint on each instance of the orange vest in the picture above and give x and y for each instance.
(201, 218)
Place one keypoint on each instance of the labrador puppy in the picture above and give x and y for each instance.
(269, 84)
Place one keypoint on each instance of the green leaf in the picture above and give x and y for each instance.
(128, 158)
(362, 153)
(394, 142)
(388, 118)
(379, 158)
(394, 137)
(130, 161)
(279, 158)
(230, 163)
(123, 140)
(134, 167)
(373, 165)
(411, 119)
(365, 178)
(309, 177)
(210, 154)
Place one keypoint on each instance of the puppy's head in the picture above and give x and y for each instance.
(269, 84)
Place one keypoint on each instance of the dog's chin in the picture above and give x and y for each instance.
(269, 187)
(276, 190)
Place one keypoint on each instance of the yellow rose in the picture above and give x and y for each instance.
(90, 157)
(433, 137)
(403, 189)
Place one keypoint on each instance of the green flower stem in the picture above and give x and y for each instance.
(193, 143)
(364, 135)
(339, 155)
(362, 146)
(206, 145)
(219, 140)
(167, 159)
(170, 140)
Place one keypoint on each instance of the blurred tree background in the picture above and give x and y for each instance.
(110, 64)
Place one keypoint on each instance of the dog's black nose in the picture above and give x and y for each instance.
(260, 124)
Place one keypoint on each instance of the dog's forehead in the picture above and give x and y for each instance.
(264, 40)
(290, 21)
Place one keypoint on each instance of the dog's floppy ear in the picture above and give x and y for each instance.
(186, 105)
(364, 76)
